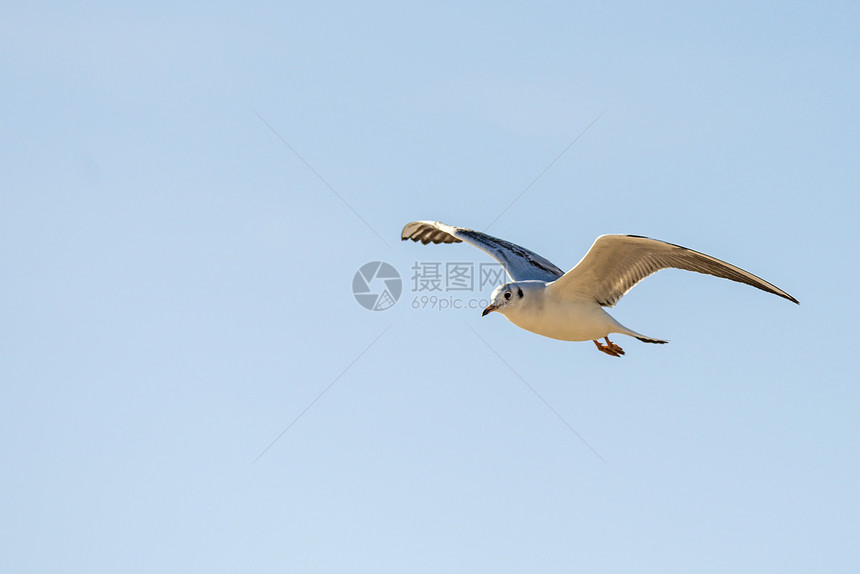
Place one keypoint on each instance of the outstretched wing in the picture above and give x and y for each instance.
(520, 263)
(615, 263)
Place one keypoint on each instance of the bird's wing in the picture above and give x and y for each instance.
(615, 263)
(520, 263)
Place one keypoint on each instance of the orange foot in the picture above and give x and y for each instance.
(609, 348)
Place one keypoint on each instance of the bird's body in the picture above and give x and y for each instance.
(548, 312)
(569, 306)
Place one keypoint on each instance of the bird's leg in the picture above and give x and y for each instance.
(609, 348)
(613, 346)
(605, 348)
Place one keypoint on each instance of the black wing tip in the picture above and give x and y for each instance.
(774, 290)
(790, 298)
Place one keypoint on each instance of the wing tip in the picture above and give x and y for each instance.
(427, 232)
(773, 289)
(789, 297)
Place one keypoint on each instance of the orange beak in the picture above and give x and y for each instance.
(488, 310)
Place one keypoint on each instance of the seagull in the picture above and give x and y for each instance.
(543, 299)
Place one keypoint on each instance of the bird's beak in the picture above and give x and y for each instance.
(488, 310)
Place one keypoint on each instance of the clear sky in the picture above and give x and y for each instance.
(176, 287)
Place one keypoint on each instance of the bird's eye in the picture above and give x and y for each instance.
(507, 294)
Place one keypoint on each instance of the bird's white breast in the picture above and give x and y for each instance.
(564, 319)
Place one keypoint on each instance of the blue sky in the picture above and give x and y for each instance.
(177, 287)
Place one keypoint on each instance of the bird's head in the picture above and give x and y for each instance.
(506, 297)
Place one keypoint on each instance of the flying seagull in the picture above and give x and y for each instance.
(543, 299)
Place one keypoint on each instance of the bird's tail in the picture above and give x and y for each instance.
(625, 331)
(650, 340)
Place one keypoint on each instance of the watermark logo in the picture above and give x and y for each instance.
(377, 286)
